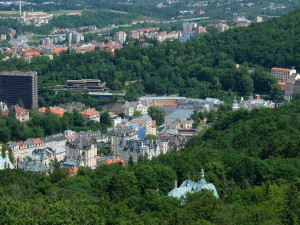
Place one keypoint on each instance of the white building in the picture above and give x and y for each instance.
(5, 162)
(251, 103)
(282, 74)
(137, 106)
(258, 19)
(121, 37)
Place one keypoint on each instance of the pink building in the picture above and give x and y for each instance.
(200, 30)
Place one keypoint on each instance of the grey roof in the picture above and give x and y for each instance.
(54, 138)
(28, 142)
(137, 145)
(59, 149)
(81, 143)
(181, 113)
(145, 119)
(124, 130)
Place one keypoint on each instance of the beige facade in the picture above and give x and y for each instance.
(85, 147)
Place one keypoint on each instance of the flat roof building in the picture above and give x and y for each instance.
(17, 85)
(282, 74)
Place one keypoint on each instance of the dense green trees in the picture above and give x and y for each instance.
(157, 114)
(40, 126)
(251, 157)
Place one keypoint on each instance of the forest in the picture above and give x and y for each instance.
(251, 157)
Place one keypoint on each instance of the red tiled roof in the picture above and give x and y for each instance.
(72, 137)
(89, 112)
(5, 112)
(20, 110)
(282, 69)
(114, 160)
(31, 53)
(164, 135)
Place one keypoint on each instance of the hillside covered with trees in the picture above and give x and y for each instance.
(251, 157)
(198, 68)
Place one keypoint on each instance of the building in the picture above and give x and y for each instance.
(282, 74)
(89, 84)
(291, 87)
(115, 120)
(22, 114)
(200, 30)
(74, 37)
(145, 121)
(55, 110)
(189, 26)
(121, 37)
(3, 106)
(134, 34)
(168, 143)
(117, 134)
(137, 106)
(184, 38)
(189, 186)
(46, 42)
(173, 102)
(17, 85)
(5, 162)
(91, 114)
(36, 164)
(3, 37)
(137, 148)
(251, 103)
(258, 19)
(85, 148)
(221, 27)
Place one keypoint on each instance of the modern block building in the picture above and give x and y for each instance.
(17, 85)
(121, 37)
(282, 74)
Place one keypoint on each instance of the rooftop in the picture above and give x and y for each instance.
(282, 69)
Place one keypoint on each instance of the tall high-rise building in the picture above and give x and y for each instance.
(17, 85)
(189, 26)
(121, 36)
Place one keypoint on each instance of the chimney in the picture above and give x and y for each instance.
(174, 184)
(20, 8)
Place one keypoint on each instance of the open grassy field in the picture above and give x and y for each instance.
(65, 11)
(9, 13)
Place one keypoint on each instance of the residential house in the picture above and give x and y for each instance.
(117, 134)
(91, 114)
(55, 110)
(146, 121)
(22, 114)
(137, 106)
(137, 148)
(84, 147)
